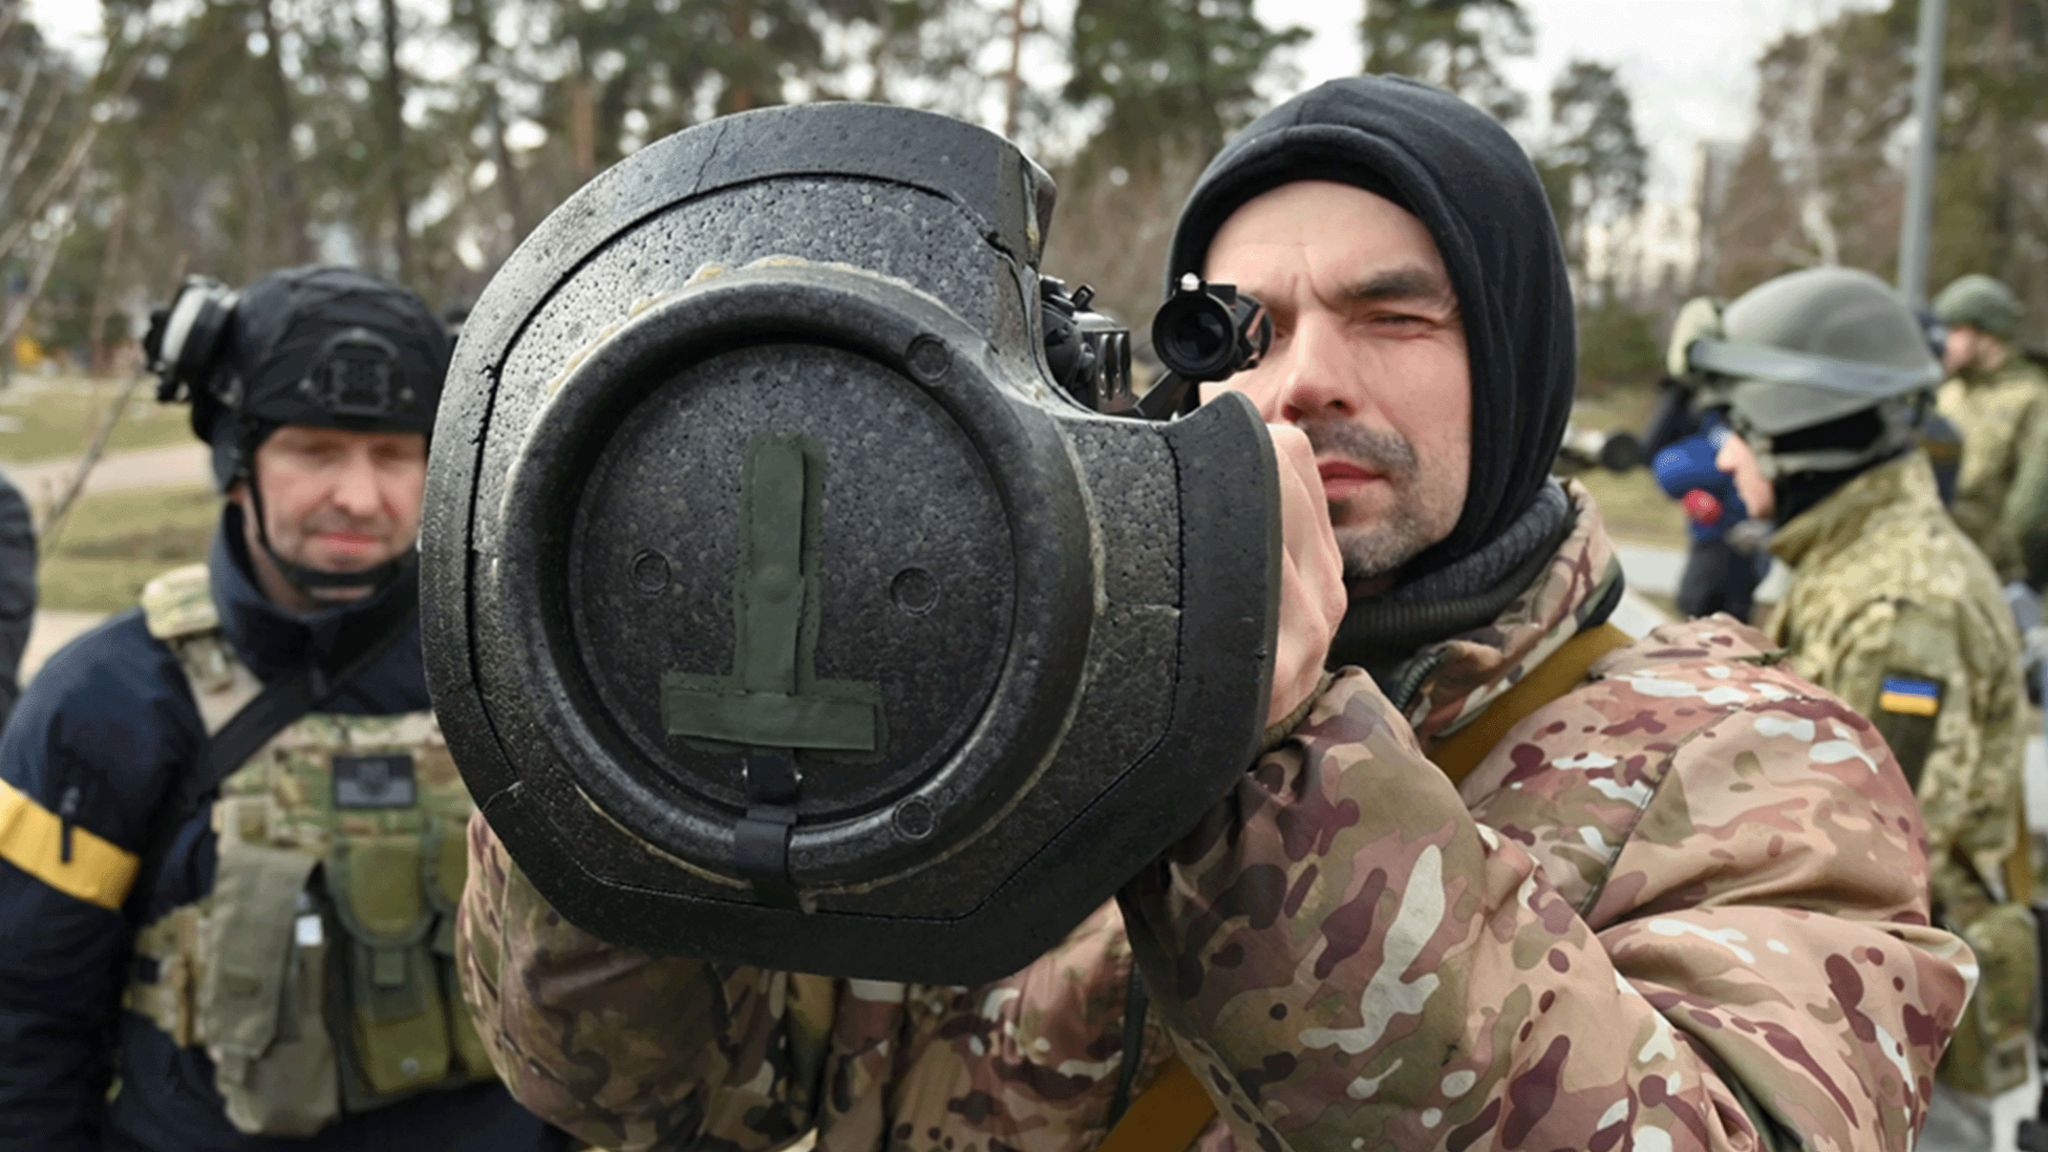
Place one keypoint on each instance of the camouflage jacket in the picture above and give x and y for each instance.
(1894, 611)
(2026, 507)
(2001, 415)
(1685, 902)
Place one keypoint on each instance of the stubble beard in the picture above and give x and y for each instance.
(1380, 548)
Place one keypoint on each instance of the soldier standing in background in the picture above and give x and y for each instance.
(230, 833)
(1892, 609)
(1998, 399)
(17, 590)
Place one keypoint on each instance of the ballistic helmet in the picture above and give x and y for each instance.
(323, 346)
(1981, 303)
(1807, 351)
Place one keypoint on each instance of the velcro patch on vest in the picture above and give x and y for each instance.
(374, 782)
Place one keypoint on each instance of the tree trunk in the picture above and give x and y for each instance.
(2000, 145)
(1013, 78)
(494, 114)
(742, 94)
(582, 118)
(394, 145)
(294, 240)
(103, 292)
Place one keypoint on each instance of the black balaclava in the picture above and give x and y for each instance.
(1473, 187)
(1800, 492)
(283, 362)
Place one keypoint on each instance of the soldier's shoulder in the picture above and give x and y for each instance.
(109, 680)
(116, 649)
(179, 603)
(1649, 696)
(1704, 702)
(1719, 648)
(2030, 367)
(1905, 551)
(1686, 676)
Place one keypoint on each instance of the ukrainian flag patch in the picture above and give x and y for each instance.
(1910, 696)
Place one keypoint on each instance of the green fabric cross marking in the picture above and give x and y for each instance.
(766, 701)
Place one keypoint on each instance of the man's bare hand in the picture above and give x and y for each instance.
(1312, 597)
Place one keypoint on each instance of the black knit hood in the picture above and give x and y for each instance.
(1474, 188)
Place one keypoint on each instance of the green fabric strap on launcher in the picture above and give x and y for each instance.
(771, 704)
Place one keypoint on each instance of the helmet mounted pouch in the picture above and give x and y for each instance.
(781, 609)
(186, 341)
(354, 377)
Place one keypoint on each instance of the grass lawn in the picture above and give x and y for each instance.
(1634, 507)
(115, 541)
(49, 420)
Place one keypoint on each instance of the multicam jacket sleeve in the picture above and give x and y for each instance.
(1683, 907)
(631, 1051)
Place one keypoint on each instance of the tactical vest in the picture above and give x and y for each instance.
(318, 973)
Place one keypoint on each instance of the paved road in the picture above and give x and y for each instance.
(173, 466)
(1656, 570)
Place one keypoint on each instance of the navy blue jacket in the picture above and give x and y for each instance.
(100, 739)
(17, 589)
(1687, 464)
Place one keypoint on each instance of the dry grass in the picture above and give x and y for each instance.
(50, 420)
(115, 541)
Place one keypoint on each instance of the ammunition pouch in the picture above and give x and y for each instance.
(258, 1008)
(311, 1007)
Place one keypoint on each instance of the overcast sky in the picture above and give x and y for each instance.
(1688, 63)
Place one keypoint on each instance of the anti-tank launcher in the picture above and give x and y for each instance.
(784, 606)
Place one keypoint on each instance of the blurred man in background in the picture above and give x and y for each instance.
(1998, 398)
(230, 833)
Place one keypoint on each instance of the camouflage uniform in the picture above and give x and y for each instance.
(2001, 414)
(1684, 904)
(1891, 609)
(2026, 508)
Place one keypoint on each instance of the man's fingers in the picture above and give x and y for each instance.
(1312, 598)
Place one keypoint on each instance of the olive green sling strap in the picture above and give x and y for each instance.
(1174, 1110)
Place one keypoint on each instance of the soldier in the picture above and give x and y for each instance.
(1894, 610)
(1998, 399)
(1678, 902)
(230, 837)
(17, 590)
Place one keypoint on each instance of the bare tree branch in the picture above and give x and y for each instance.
(1816, 208)
(24, 91)
(19, 158)
(58, 182)
(60, 508)
(46, 260)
